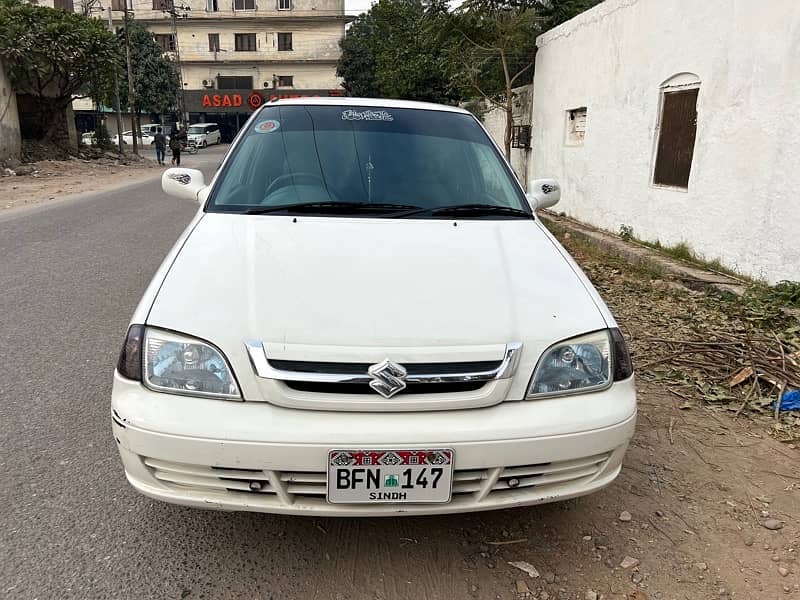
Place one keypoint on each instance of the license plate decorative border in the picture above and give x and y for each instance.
(398, 458)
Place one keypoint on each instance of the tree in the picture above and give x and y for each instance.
(556, 12)
(155, 76)
(418, 49)
(53, 56)
(552, 12)
(496, 52)
(357, 62)
(393, 51)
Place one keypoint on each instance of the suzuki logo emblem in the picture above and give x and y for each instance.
(388, 378)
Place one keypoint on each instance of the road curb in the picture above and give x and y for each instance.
(688, 275)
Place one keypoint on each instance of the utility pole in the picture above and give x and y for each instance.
(169, 7)
(131, 91)
(116, 94)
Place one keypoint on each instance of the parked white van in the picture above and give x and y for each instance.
(205, 134)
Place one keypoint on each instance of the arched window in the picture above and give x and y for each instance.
(676, 130)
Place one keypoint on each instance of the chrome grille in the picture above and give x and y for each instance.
(337, 377)
(288, 486)
(209, 478)
(363, 388)
(544, 474)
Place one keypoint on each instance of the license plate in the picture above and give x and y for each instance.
(390, 476)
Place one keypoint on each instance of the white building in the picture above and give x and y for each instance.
(233, 52)
(678, 119)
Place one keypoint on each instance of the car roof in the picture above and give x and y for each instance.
(363, 102)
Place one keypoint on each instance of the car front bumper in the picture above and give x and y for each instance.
(207, 453)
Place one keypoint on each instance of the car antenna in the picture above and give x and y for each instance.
(370, 167)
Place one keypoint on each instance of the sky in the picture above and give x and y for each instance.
(356, 7)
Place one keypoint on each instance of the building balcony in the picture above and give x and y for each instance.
(229, 14)
(320, 55)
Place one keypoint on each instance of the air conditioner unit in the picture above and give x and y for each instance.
(209, 83)
(266, 84)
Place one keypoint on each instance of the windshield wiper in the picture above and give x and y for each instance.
(341, 208)
(474, 210)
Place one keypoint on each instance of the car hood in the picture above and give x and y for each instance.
(372, 283)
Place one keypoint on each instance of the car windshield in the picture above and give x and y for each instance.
(345, 159)
(196, 129)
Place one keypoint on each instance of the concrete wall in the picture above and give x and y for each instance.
(742, 203)
(310, 40)
(10, 140)
(307, 77)
(312, 61)
(495, 121)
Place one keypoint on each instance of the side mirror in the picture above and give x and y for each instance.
(543, 193)
(182, 183)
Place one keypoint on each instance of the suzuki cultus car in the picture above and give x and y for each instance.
(366, 317)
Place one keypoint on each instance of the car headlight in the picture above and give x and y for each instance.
(581, 364)
(170, 362)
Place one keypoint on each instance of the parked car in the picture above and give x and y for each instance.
(88, 138)
(152, 128)
(145, 139)
(365, 318)
(205, 134)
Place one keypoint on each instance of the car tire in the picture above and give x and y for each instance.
(205, 143)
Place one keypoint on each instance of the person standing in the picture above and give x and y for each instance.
(175, 142)
(160, 141)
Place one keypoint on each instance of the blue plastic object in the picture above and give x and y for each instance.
(790, 400)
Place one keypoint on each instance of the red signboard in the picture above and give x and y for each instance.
(235, 101)
(254, 100)
(217, 100)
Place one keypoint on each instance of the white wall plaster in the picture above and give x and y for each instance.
(743, 201)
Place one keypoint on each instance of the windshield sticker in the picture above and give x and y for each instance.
(267, 126)
(366, 115)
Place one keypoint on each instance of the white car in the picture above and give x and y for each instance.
(204, 134)
(365, 317)
(152, 128)
(145, 139)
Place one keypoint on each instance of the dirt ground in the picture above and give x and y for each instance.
(699, 485)
(52, 180)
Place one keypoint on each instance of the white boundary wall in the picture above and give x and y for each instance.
(743, 198)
